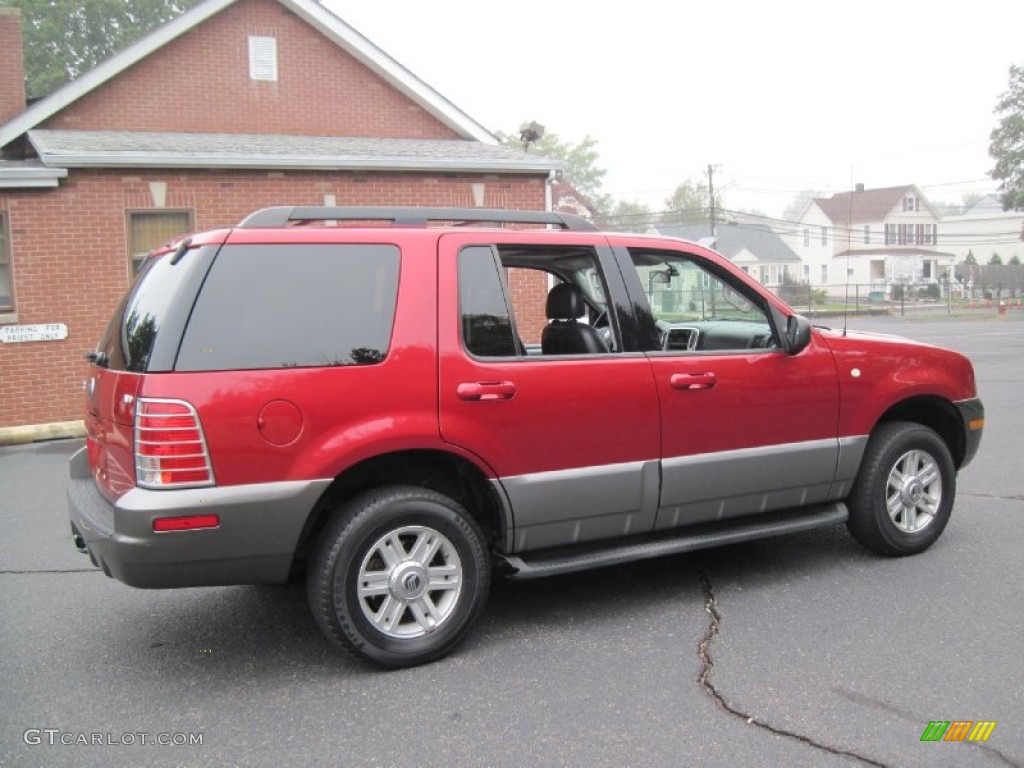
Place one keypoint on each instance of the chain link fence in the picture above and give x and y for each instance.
(903, 298)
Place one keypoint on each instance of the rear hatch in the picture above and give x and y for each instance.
(142, 338)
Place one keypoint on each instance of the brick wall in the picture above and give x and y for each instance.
(69, 251)
(529, 289)
(12, 65)
(321, 90)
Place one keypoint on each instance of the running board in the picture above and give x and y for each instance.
(567, 560)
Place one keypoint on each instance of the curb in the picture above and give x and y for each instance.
(34, 433)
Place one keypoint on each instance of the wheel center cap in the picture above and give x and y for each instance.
(408, 581)
(912, 491)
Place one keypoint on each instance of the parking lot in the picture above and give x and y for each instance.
(799, 651)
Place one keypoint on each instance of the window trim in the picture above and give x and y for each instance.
(8, 315)
(130, 212)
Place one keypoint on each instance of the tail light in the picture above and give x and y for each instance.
(170, 450)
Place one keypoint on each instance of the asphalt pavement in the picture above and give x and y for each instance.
(799, 651)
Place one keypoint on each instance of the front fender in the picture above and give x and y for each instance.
(877, 373)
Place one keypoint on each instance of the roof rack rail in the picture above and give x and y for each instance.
(281, 216)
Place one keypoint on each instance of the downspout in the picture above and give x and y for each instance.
(548, 200)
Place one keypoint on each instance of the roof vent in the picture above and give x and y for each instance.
(263, 58)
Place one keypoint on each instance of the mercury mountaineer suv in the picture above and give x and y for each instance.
(402, 403)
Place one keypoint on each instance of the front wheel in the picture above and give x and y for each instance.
(399, 576)
(903, 495)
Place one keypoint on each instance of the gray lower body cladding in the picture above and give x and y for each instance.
(255, 541)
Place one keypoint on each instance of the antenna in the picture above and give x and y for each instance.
(849, 247)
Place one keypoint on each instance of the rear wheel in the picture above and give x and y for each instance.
(399, 576)
(903, 496)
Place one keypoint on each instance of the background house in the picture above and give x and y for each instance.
(871, 237)
(756, 249)
(985, 230)
(235, 105)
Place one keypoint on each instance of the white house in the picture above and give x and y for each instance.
(871, 237)
(985, 230)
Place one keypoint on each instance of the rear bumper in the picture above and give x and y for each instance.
(973, 414)
(254, 543)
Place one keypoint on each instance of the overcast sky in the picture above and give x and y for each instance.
(780, 96)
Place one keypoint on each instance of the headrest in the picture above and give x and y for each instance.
(565, 302)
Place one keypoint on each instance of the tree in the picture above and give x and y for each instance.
(1014, 260)
(1007, 142)
(583, 172)
(628, 216)
(970, 258)
(689, 202)
(797, 204)
(970, 199)
(64, 39)
(996, 260)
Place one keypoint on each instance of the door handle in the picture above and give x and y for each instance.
(485, 390)
(688, 381)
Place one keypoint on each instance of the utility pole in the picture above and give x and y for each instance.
(711, 194)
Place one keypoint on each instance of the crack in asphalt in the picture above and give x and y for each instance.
(998, 496)
(51, 570)
(707, 667)
(868, 701)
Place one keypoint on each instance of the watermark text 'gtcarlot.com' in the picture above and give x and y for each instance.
(57, 737)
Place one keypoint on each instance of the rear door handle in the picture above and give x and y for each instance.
(486, 390)
(687, 381)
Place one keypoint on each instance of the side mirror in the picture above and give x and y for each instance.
(798, 334)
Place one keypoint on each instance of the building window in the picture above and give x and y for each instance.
(807, 236)
(824, 235)
(890, 234)
(867, 234)
(910, 203)
(824, 273)
(151, 229)
(263, 58)
(6, 279)
(806, 272)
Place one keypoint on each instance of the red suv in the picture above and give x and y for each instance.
(396, 409)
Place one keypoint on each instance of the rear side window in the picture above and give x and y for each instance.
(290, 306)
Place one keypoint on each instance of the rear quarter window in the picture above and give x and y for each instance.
(144, 333)
(289, 306)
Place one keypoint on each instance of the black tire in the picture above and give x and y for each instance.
(907, 467)
(369, 584)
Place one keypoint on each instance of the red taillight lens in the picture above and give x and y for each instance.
(187, 523)
(170, 450)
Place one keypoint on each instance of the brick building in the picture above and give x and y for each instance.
(235, 105)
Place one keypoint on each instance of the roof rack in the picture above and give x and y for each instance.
(281, 216)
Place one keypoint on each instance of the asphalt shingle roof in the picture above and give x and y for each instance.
(762, 242)
(140, 149)
(869, 205)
